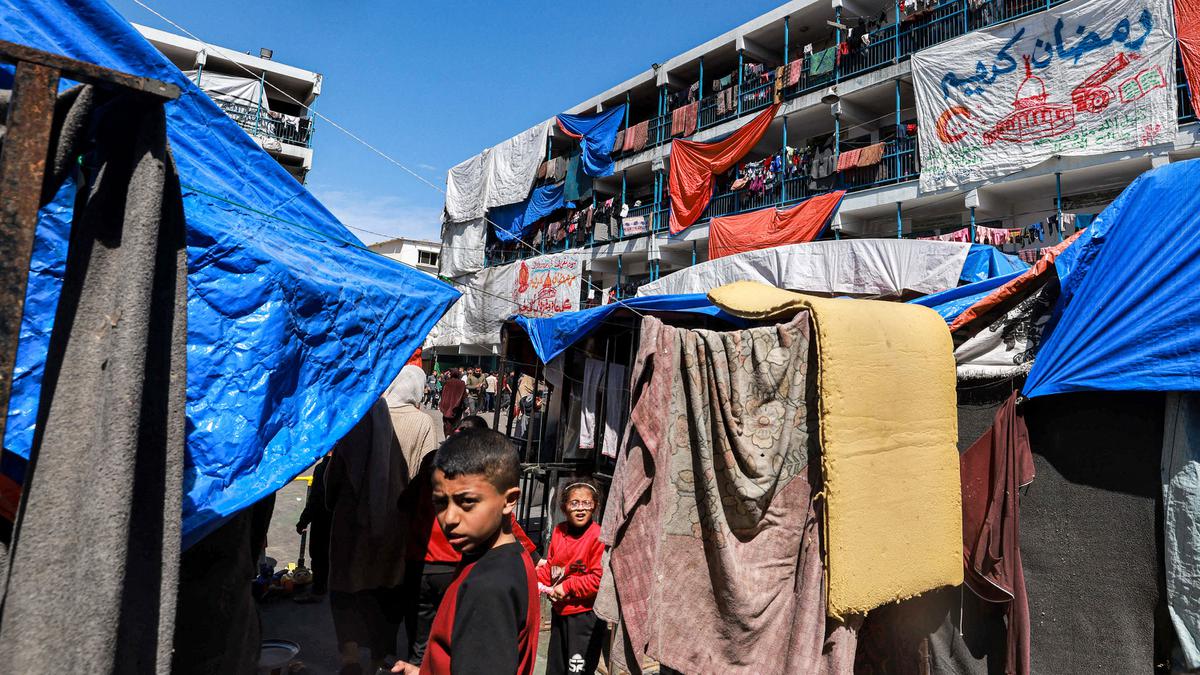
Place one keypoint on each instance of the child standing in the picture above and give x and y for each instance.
(570, 576)
(489, 617)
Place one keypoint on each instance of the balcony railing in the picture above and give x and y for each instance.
(889, 45)
(260, 122)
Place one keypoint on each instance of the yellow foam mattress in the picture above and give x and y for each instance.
(888, 430)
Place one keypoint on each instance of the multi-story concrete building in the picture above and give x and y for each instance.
(270, 100)
(863, 97)
(419, 253)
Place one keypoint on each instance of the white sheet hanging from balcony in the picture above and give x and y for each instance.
(244, 91)
(883, 268)
(500, 175)
(462, 248)
(1086, 77)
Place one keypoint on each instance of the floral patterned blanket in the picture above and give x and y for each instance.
(715, 544)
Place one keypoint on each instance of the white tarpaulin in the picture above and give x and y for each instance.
(230, 88)
(462, 248)
(503, 174)
(885, 268)
(1082, 78)
(541, 286)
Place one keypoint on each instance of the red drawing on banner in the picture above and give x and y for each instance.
(523, 278)
(949, 128)
(1150, 133)
(1032, 117)
(1141, 84)
(1092, 96)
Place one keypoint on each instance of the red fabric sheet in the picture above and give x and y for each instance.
(693, 165)
(993, 470)
(770, 227)
(1187, 29)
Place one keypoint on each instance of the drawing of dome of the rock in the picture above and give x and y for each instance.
(1032, 117)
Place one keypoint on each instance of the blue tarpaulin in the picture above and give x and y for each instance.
(987, 262)
(950, 303)
(294, 328)
(1127, 317)
(596, 133)
(514, 220)
(552, 335)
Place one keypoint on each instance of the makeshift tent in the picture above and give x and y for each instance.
(551, 335)
(770, 227)
(1126, 317)
(294, 328)
(693, 165)
(954, 301)
(513, 221)
(596, 134)
(881, 268)
(988, 262)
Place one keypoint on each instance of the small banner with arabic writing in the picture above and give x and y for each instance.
(547, 285)
(1082, 78)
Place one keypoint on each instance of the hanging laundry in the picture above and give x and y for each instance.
(693, 165)
(848, 159)
(578, 184)
(541, 172)
(793, 72)
(995, 236)
(822, 62)
(619, 142)
(683, 120)
(556, 168)
(766, 228)
(780, 77)
(634, 225)
(595, 133)
(963, 235)
(514, 220)
(593, 375)
(1030, 255)
(870, 155)
(616, 405)
(636, 136)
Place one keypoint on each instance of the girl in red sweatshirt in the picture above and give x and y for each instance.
(570, 576)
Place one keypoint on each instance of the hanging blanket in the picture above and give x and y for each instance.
(683, 120)
(870, 155)
(694, 164)
(596, 134)
(848, 159)
(770, 227)
(513, 221)
(715, 544)
(823, 61)
(889, 428)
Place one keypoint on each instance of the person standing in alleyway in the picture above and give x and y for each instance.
(316, 519)
(570, 576)
(489, 392)
(431, 564)
(366, 481)
(475, 385)
(453, 403)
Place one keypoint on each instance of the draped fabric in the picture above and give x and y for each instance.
(597, 135)
(513, 221)
(1187, 30)
(713, 490)
(770, 227)
(694, 164)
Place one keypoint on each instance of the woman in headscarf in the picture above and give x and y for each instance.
(454, 402)
(365, 483)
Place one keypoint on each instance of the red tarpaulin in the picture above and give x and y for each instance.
(693, 165)
(768, 227)
(1187, 29)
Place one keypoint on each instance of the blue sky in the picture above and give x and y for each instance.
(432, 83)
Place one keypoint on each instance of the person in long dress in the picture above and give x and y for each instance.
(365, 484)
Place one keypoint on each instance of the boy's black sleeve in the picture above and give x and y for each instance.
(490, 611)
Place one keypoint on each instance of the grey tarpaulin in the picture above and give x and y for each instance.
(1090, 537)
(93, 564)
(1181, 503)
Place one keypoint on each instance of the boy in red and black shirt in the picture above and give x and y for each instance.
(489, 617)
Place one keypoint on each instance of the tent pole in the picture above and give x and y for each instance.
(899, 222)
(741, 69)
(1058, 203)
(783, 150)
(972, 224)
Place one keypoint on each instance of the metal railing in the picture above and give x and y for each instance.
(260, 122)
(757, 95)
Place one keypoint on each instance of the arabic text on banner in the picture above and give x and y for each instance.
(1083, 78)
(547, 285)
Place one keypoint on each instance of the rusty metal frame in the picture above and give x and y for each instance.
(23, 157)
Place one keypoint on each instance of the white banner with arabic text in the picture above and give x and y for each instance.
(1083, 78)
